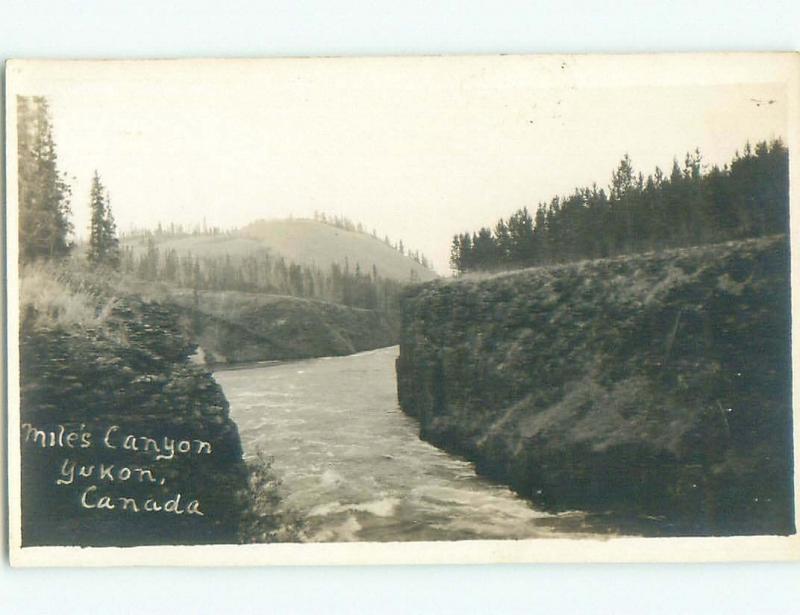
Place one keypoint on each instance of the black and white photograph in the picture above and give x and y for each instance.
(401, 309)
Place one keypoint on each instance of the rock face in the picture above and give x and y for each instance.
(127, 376)
(647, 386)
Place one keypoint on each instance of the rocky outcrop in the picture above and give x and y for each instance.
(116, 410)
(653, 386)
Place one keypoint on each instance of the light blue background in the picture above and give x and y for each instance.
(103, 29)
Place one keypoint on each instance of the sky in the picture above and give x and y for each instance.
(416, 148)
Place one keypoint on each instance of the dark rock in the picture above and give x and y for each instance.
(649, 385)
(132, 372)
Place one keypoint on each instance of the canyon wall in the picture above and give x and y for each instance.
(652, 388)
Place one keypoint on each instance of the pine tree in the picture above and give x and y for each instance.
(98, 211)
(103, 241)
(44, 195)
(456, 256)
(112, 256)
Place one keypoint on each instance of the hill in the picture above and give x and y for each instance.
(312, 242)
(302, 241)
(655, 387)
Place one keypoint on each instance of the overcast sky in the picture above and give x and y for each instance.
(417, 148)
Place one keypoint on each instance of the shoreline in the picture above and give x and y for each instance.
(229, 367)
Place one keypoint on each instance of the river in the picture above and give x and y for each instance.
(353, 465)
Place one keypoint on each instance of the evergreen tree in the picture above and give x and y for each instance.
(112, 256)
(748, 198)
(44, 195)
(103, 241)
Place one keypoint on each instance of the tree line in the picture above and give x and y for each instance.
(264, 272)
(173, 230)
(692, 205)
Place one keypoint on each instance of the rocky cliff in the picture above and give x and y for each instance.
(124, 441)
(653, 387)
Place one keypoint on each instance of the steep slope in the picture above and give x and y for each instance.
(655, 385)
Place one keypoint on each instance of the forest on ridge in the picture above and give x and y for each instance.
(692, 205)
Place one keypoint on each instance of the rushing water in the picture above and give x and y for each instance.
(353, 465)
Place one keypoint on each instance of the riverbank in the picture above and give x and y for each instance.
(234, 327)
(653, 385)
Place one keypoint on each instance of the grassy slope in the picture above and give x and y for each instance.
(654, 384)
(305, 242)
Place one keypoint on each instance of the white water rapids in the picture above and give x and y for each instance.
(353, 465)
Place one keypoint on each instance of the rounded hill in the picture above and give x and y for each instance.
(314, 242)
(302, 241)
